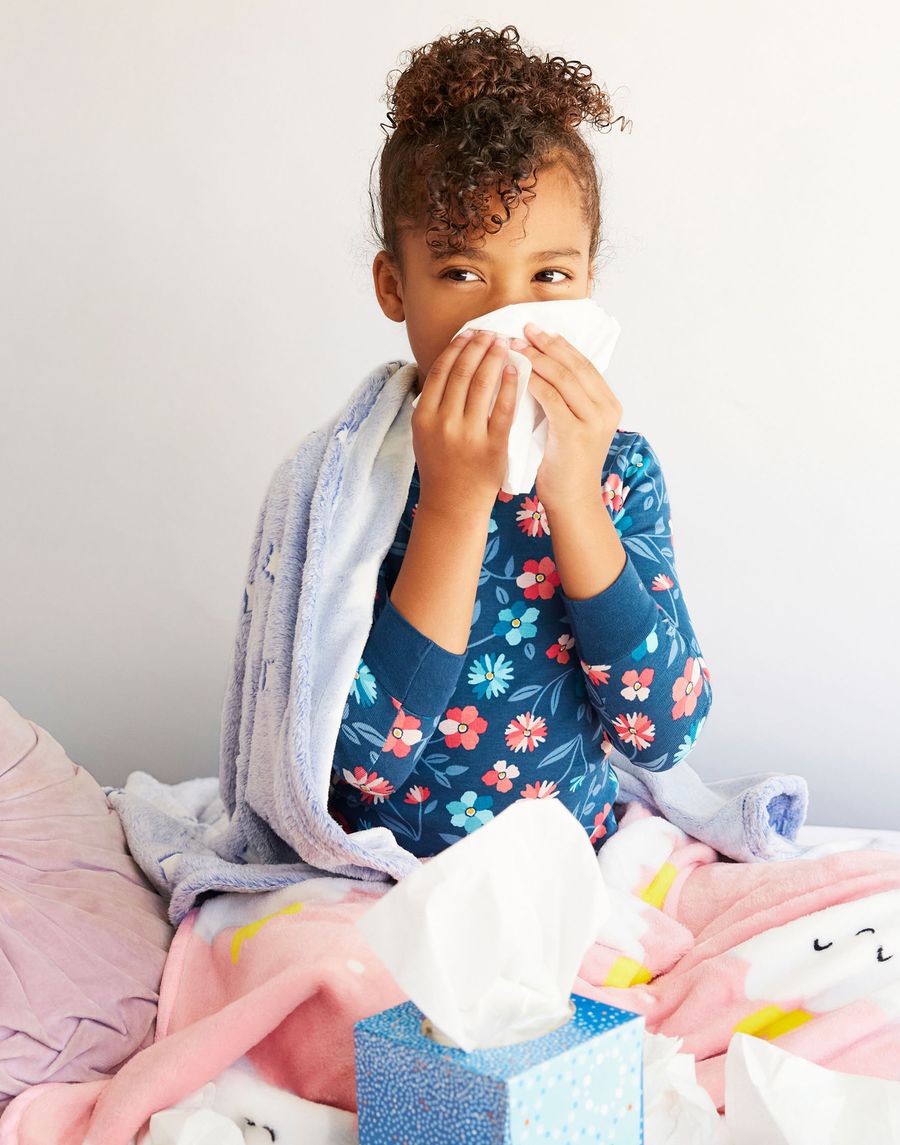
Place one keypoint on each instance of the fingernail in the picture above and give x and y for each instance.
(467, 333)
(519, 344)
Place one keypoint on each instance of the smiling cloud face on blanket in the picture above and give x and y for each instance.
(825, 960)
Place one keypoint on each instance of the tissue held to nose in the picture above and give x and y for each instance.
(581, 321)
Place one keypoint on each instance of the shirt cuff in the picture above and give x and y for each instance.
(413, 668)
(614, 621)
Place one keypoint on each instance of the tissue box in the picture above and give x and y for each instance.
(582, 1082)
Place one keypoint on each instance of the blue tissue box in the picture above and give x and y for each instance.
(582, 1082)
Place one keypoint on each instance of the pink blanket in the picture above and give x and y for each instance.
(805, 953)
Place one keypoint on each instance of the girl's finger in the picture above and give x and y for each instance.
(501, 417)
(569, 386)
(484, 381)
(459, 376)
(561, 350)
(433, 386)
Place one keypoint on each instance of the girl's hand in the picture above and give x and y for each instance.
(583, 413)
(460, 450)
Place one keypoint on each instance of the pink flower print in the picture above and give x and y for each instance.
(561, 649)
(614, 492)
(686, 689)
(546, 789)
(637, 686)
(596, 673)
(404, 732)
(503, 496)
(662, 583)
(540, 578)
(462, 726)
(501, 775)
(599, 830)
(525, 732)
(532, 518)
(374, 788)
(704, 669)
(416, 795)
(636, 728)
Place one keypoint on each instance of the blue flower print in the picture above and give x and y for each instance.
(687, 743)
(622, 521)
(516, 622)
(492, 526)
(490, 675)
(633, 464)
(471, 810)
(647, 647)
(364, 688)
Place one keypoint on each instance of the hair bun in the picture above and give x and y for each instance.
(475, 118)
(477, 76)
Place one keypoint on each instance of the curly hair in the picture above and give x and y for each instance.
(473, 114)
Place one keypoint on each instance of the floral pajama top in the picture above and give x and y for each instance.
(433, 744)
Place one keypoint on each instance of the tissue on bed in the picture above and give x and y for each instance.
(581, 321)
(775, 1096)
(487, 937)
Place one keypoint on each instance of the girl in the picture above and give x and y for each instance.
(516, 640)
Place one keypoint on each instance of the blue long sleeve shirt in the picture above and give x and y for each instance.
(433, 744)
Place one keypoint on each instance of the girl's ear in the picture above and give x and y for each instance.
(388, 286)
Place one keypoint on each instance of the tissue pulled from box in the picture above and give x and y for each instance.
(581, 321)
(487, 937)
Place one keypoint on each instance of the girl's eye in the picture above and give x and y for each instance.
(456, 270)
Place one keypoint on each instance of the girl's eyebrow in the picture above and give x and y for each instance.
(477, 254)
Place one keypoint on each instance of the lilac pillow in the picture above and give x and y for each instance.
(83, 936)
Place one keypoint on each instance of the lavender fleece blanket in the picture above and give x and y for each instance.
(328, 517)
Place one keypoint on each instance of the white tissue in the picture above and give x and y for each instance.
(677, 1109)
(773, 1097)
(487, 937)
(581, 321)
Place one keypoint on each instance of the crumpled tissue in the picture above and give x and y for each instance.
(677, 1109)
(487, 937)
(773, 1097)
(581, 321)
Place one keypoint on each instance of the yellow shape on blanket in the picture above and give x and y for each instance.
(253, 928)
(626, 972)
(771, 1022)
(655, 893)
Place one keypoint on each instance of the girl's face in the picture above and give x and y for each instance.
(533, 260)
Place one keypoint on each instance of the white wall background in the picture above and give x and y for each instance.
(185, 289)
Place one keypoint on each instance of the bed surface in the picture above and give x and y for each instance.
(812, 835)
